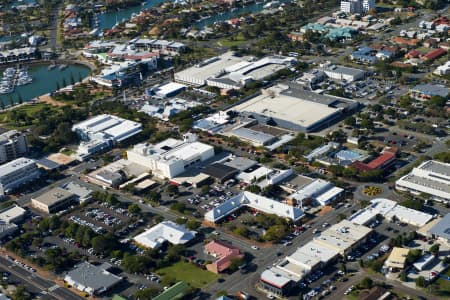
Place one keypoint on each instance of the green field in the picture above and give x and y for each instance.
(237, 41)
(189, 273)
(443, 286)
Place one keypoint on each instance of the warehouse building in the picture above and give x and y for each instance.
(166, 231)
(17, 173)
(197, 75)
(231, 72)
(94, 280)
(397, 258)
(170, 157)
(291, 107)
(53, 200)
(431, 177)
(254, 201)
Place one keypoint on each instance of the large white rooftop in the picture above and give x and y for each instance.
(107, 126)
(15, 165)
(342, 236)
(197, 75)
(164, 231)
(390, 209)
(257, 202)
(431, 177)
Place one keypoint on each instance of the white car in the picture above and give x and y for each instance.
(270, 296)
(255, 247)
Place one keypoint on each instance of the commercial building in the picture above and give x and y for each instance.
(197, 75)
(256, 138)
(397, 258)
(256, 202)
(105, 127)
(443, 69)
(213, 123)
(228, 71)
(390, 210)
(53, 200)
(357, 6)
(13, 144)
(94, 280)
(292, 269)
(291, 107)
(17, 173)
(441, 230)
(431, 177)
(82, 194)
(343, 237)
(238, 75)
(12, 214)
(169, 108)
(342, 73)
(424, 92)
(385, 160)
(102, 132)
(18, 55)
(167, 90)
(224, 253)
(166, 231)
(6, 229)
(321, 191)
(170, 157)
(220, 172)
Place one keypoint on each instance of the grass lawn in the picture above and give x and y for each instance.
(443, 286)
(28, 109)
(237, 41)
(189, 273)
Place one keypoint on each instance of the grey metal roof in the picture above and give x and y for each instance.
(442, 229)
(253, 135)
(432, 89)
(241, 163)
(95, 277)
(220, 171)
(48, 164)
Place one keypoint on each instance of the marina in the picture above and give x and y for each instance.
(26, 83)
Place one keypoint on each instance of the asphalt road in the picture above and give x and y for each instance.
(35, 280)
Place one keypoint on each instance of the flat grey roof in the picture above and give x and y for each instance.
(241, 163)
(436, 167)
(442, 229)
(344, 70)
(252, 135)
(53, 196)
(432, 89)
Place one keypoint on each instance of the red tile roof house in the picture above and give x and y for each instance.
(434, 54)
(224, 253)
(386, 159)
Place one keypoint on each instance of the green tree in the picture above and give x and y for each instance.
(192, 224)
(403, 276)
(435, 249)
(350, 121)
(178, 206)
(276, 233)
(154, 196)
(235, 263)
(205, 189)
(420, 281)
(21, 293)
(104, 244)
(134, 209)
(366, 283)
(253, 189)
(172, 189)
(112, 200)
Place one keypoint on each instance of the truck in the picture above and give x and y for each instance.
(243, 295)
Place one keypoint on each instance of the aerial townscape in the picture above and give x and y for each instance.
(225, 149)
